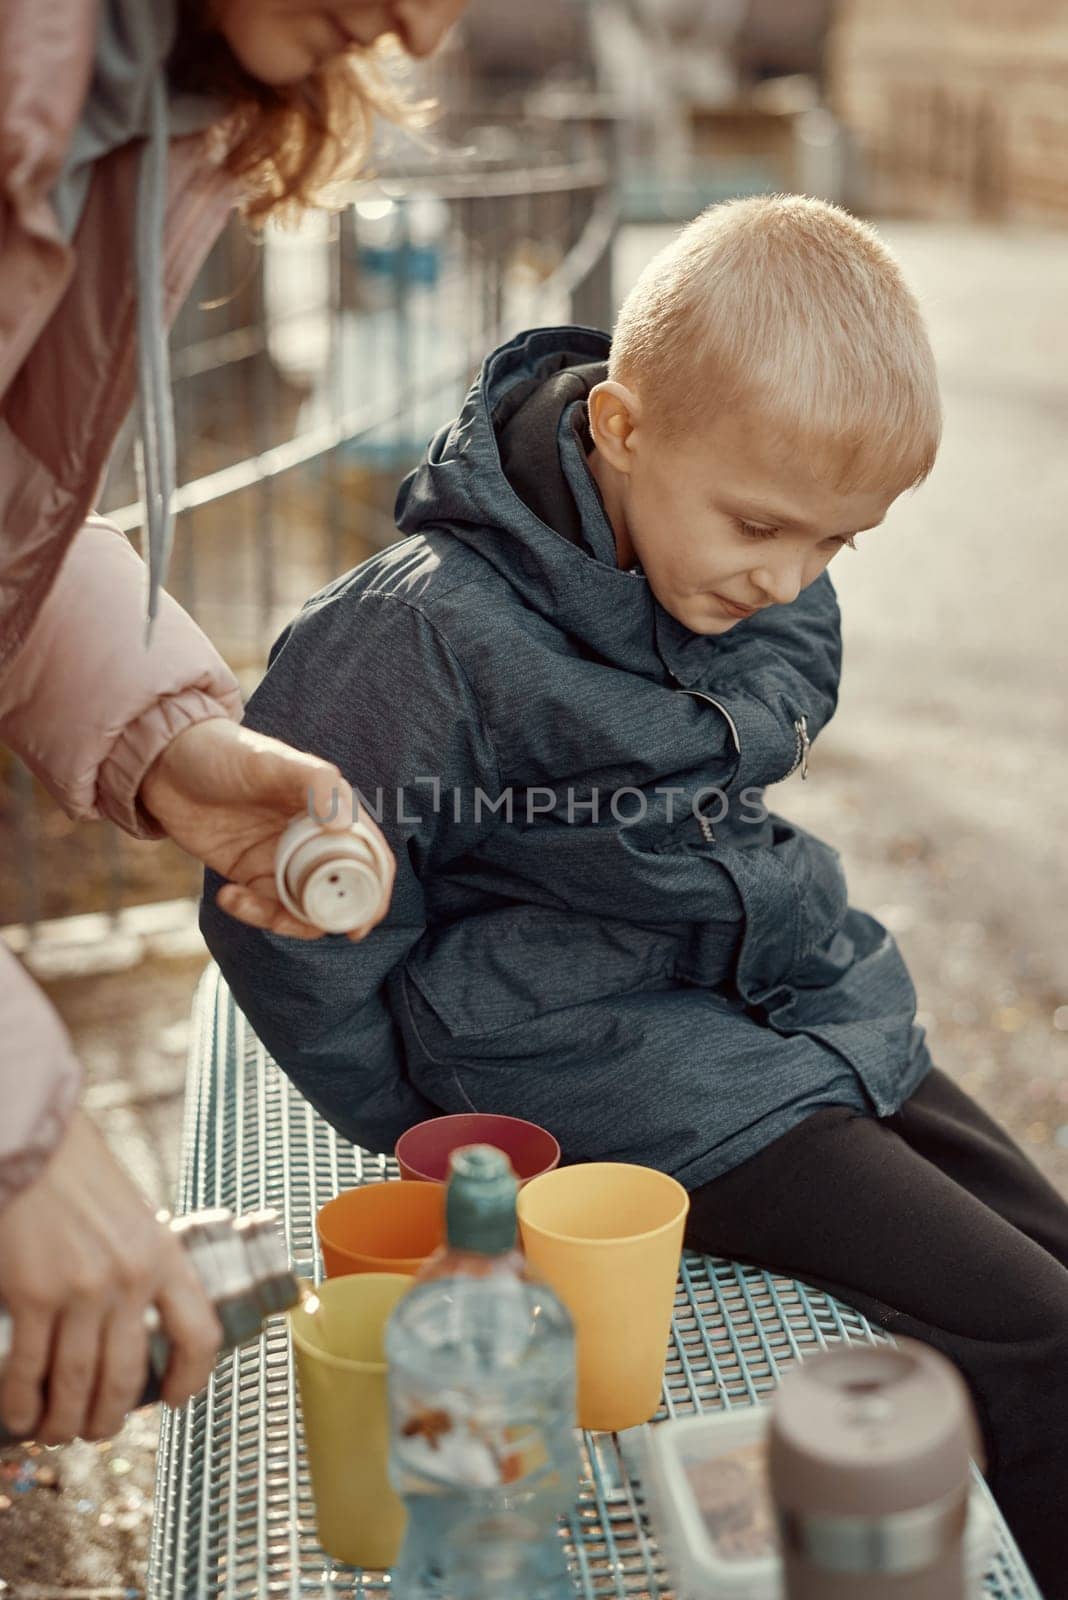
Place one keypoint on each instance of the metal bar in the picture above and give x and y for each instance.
(263, 529)
(258, 469)
(337, 373)
(552, 179)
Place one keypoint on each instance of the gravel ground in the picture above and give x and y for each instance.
(74, 1522)
(943, 781)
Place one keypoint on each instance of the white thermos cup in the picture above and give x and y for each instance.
(335, 880)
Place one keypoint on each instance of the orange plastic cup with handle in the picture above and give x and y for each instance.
(381, 1227)
(607, 1237)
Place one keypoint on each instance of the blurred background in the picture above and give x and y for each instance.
(311, 368)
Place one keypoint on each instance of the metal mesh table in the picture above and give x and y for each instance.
(234, 1515)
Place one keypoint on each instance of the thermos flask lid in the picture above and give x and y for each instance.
(340, 895)
(277, 1287)
(868, 1431)
(333, 879)
(217, 1253)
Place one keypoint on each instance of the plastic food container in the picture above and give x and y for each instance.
(711, 1512)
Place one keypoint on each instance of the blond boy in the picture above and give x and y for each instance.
(563, 695)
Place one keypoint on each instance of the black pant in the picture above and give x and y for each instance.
(933, 1224)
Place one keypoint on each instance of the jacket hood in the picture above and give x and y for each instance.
(462, 487)
(131, 44)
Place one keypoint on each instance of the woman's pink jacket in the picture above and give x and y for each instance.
(82, 701)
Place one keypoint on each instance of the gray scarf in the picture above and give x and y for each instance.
(128, 99)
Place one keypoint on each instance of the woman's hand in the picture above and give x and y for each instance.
(81, 1258)
(226, 795)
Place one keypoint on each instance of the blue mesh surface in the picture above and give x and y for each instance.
(234, 1515)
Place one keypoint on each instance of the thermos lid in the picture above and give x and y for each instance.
(277, 1286)
(340, 894)
(333, 879)
(216, 1252)
(866, 1430)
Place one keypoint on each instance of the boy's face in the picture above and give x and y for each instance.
(724, 522)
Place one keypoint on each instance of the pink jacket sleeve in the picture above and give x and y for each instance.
(40, 1078)
(88, 709)
(86, 705)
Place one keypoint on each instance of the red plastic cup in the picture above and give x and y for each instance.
(423, 1152)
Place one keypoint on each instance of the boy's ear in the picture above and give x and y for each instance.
(615, 412)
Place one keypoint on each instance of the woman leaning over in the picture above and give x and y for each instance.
(128, 131)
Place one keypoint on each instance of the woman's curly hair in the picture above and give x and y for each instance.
(288, 146)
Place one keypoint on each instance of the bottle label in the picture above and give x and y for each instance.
(459, 1440)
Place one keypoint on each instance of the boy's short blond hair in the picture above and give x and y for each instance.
(797, 310)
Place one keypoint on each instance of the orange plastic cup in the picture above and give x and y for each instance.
(607, 1237)
(381, 1227)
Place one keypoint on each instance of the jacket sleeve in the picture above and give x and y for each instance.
(769, 672)
(45, 68)
(795, 650)
(774, 669)
(86, 705)
(366, 682)
(39, 1078)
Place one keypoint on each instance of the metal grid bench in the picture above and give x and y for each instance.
(234, 1515)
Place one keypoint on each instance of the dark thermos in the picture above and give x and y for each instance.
(244, 1269)
(869, 1461)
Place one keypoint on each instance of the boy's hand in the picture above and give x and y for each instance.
(226, 795)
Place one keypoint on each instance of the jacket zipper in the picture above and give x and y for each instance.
(698, 695)
(802, 742)
(802, 745)
(707, 830)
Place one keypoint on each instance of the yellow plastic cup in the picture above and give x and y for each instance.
(607, 1237)
(338, 1343)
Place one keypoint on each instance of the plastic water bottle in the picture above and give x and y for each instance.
(482, 1407)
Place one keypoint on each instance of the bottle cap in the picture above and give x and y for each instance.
(480, 1200)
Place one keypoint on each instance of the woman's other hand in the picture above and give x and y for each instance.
(81, 1258)
(227, 794)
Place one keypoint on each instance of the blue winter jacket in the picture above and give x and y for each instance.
(596, 925)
